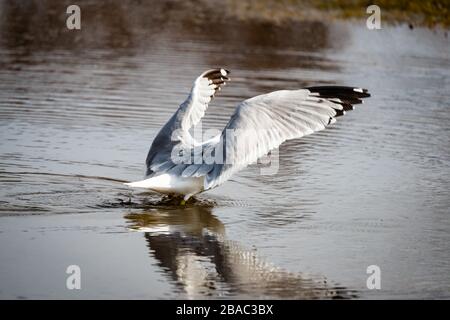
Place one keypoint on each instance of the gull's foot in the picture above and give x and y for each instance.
(183, 202)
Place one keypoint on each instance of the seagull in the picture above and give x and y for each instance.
(179, 165)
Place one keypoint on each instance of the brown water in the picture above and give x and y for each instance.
(79, 110)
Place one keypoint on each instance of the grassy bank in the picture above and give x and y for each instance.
(428, 13)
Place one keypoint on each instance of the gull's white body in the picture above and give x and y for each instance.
(171, 184)
(261, 124)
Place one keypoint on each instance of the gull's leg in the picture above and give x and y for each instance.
(185, 199)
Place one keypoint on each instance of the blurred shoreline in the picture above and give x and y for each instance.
(285, 13)
(125, 24)
(425, 13)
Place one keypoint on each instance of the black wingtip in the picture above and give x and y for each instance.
(218, 77)
(343, 91)
(347, 97)
(352, 95)
(217, 73)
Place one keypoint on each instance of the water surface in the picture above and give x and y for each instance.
(79, 110)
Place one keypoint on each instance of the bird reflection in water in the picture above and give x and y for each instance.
(189, 244)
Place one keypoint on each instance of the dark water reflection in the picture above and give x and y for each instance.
(190, 244)
(79, 109)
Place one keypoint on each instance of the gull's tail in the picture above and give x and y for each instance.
(140, 184)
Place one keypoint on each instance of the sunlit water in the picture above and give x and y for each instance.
(79, 110)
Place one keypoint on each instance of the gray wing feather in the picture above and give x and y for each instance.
(176, 130)
(264, 122)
